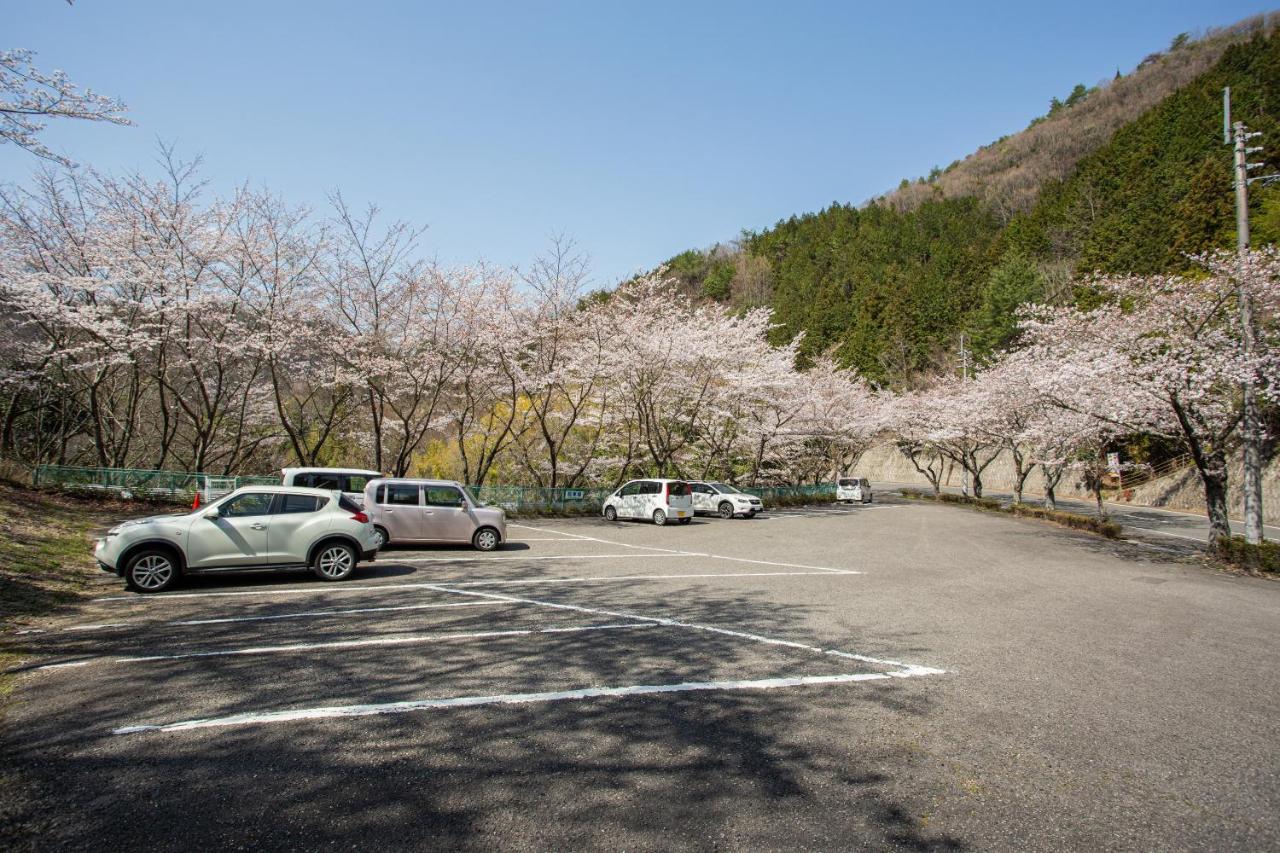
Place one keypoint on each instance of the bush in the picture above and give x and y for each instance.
(1263, 557)
(1074, 520)
(1101, 526)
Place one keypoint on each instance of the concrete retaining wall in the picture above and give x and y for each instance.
(1181, 490)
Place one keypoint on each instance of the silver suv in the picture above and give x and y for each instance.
(417, 511)
(251, 529)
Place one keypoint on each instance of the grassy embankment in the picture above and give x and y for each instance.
(46, 562)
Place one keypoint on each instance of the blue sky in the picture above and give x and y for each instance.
(638, 129)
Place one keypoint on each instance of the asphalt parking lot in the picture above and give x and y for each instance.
(895, 675)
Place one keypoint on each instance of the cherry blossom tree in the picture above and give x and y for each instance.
(1163, 355)
(29, 97)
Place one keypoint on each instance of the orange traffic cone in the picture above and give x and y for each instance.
(195, 504)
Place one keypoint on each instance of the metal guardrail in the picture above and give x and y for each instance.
(1146, 473)
(181, 487)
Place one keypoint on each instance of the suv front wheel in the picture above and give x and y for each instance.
(151, 571)
(334, 561)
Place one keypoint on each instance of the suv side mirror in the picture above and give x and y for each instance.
(211, 513)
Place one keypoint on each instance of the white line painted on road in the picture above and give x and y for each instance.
(156, 599)
(662, 620)
(526, 581)
(786, 565)
(336, 711)
(676, 552)
(1200, 539)
(418, 639)
(319, 613)
(305, 614)
(541, 557)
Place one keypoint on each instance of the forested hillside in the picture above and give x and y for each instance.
(1131, 176)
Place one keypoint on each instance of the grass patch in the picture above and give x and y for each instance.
(47, 559)
(1074, 520)
(1263, 557)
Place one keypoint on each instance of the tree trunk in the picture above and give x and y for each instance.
(1052, 476)
(1215, 501)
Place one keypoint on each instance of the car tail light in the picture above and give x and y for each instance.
(361, 517)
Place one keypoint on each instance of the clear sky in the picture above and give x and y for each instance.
(640, 129)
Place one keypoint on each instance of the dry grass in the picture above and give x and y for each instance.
(1008, 174)
(46, 560)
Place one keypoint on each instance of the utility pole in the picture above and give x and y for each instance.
(964, 375)
(1251, 426)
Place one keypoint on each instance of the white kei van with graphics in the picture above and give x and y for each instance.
(653, 500)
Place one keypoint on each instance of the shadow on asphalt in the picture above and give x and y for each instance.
(769, 769)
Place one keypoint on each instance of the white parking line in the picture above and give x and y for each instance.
(292, 715)
(526, 581)
(433, 585)
(676, 552)
(348, 644)
(542, 557)
(662, 620)
(301, 615)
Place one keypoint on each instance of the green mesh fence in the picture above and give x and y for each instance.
(181, 486)
(175, 486)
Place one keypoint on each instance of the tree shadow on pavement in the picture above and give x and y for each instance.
(807, 767)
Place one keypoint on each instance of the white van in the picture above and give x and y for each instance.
(349, 481)
(853, 490)
(658, 500)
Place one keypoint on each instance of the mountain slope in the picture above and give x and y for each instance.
(1127, 178)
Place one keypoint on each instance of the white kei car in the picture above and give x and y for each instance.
(656, 500)
(853, 490)
(724, 500)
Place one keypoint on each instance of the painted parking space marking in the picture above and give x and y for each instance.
(433, 585)
(595, 578)
(542, 557)
(411, 640)
(900, 671)
(676, 552)
(305, 614)
(675, 623)
(338, 711)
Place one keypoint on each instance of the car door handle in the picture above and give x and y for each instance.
(389, 511)
(257, 525)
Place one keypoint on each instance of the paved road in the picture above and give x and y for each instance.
(890, 676)
(1172, 527)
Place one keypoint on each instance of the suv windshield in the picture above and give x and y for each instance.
(723, 489)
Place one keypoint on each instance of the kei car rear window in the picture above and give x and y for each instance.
(398, 494)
